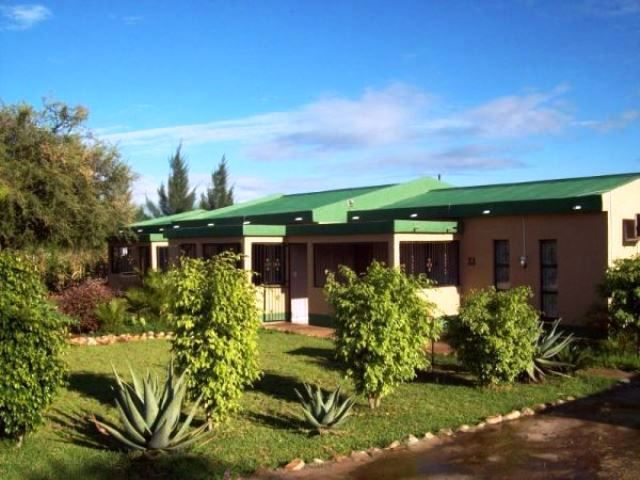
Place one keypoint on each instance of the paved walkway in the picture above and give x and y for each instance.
(324, 332)
(593, 438)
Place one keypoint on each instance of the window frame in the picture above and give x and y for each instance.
(116, 261)
(501, 265)
(544, 289)
(190, 246)
(354, 258)
(450, 249)
(162, 258)
(218, 248)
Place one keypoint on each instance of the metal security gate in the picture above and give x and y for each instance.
(272, 301)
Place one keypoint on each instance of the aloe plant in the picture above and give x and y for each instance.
(321, 412)
(150, 415)
(549, 349)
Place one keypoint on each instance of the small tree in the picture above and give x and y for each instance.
(177, 196)
(622, 287)
(495, 334)
(32, 337)
(219, 194)
(216, 317)
(383, 325)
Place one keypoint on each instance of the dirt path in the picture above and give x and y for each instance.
(593, 438)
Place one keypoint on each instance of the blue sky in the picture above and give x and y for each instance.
(306, 95)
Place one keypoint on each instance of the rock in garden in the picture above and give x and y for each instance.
(446, 431)
(429, 436)
(317, 461)
(539, 407)
(528, 412)
(91, 341)
(294, 465)
(512, 415)
(494, 420)
(360, 455)
(394, 444)
(481, 425)
(464, 428)
(411, 440)
(570, 398)
(339, 458)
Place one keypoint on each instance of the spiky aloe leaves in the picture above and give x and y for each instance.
(150, 415)
(549, 347)
(324, 412)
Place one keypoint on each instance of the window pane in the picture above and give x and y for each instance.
(550, 305)
(437, 260)
(549, 278)
(548, 252)
(357, 256)
(162, 254)
(268, 263)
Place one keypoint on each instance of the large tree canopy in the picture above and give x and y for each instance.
(219, 194)
(177, 197)
(59, 186)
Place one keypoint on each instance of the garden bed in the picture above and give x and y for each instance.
(268, 433)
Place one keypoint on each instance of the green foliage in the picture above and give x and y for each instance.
(549, 348)
(177, 196)
(80, 301)
(622, 287)
(322, 412)
(151, 300)
(150, 416)
(219, 194)
(618, 351)
(60, 186)
(495, 334)
(213, 308)
(32, 338)
(112, 315)
(61, 269)
(383, 325)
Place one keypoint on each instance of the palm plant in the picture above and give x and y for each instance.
(321, 412)
(112, 315)
(150, 415)
(548, 351)
(151, 299)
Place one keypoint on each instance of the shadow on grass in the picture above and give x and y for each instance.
(78, 428)
(169, 466)
(282, 422)
(93, 385)
(445, 376)
(323, 357)
(278, 386)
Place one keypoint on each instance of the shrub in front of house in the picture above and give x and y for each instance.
(32, 337)
(495, 334)
(80, 301)
(622, 287)
(150, 301)
(215, 316)
(383, 324)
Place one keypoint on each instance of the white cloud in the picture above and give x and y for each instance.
(132, 19)
(23, 16)
(510, 116)
(618, 122)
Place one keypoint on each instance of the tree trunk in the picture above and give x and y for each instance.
(374, 401)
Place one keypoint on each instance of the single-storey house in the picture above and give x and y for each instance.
(557, 236)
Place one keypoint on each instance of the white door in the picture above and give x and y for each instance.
(298, 283)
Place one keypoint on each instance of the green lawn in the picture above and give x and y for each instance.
(268, 432)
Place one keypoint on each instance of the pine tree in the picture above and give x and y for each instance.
(176, 197)
(218, 195)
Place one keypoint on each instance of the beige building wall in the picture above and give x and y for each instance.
(582, 256)
(621, 204)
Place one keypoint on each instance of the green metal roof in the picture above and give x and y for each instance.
(369, 228)
(325, 206)
(167, 220)
(547, 196)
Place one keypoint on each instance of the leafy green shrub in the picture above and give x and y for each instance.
(113, 315)
(32, 337)
(151, 300)
(495, 334)
(151, 416)
(383, 325)
(549, 348)
(80, 302)
(324, 413)
(62, 269)
(622, 287)
(213, 308)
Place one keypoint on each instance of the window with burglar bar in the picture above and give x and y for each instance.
(269, 264)
(501, 264)
(437, 260)
(212, 249)
(328, 257)
(549, 278)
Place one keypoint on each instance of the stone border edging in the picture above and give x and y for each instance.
(88, 340)
(412, 441)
